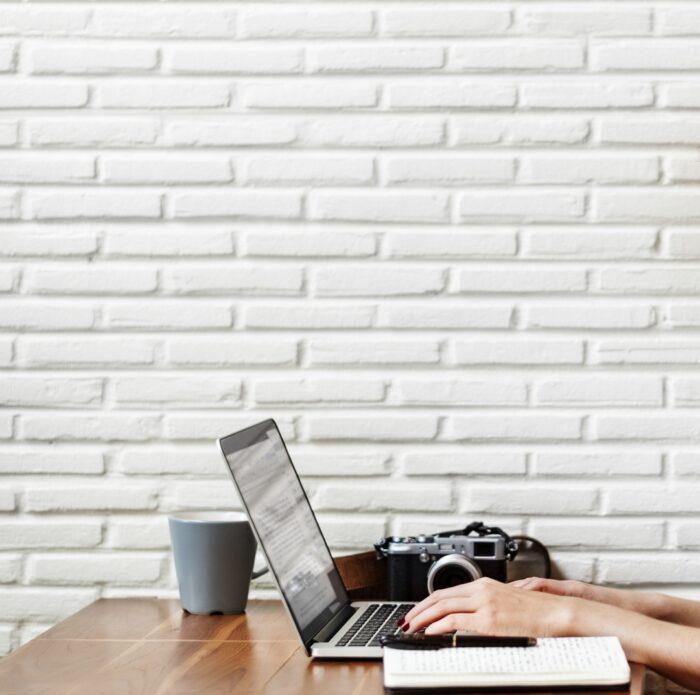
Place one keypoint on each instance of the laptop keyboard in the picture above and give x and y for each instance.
(378, 620)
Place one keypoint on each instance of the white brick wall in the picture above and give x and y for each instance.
(452, 247)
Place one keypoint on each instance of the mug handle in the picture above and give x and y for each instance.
(259, 573)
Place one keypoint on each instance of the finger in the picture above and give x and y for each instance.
(439, 610)
(452, 622)
(524, 583)
(452, 592)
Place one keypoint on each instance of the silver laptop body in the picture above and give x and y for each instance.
(329, 625)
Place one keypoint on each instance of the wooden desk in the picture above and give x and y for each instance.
(150, 647)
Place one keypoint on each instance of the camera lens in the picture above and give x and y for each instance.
(452, 570)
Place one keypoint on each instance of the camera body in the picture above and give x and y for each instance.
(419, 565)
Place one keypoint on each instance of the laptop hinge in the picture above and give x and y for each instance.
(334, 624)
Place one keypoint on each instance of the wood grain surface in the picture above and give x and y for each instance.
(151, 647)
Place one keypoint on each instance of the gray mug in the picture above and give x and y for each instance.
(214, 555)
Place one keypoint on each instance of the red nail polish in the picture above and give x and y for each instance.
(405, 626)
(401, 621)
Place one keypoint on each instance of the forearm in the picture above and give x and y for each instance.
(669, 649)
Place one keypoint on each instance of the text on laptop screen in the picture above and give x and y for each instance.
(285, 524)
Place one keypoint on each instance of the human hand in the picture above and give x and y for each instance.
(491, 608)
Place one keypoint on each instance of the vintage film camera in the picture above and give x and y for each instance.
(419, 565)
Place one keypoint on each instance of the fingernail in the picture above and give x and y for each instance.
(401, 621)
(405, 626)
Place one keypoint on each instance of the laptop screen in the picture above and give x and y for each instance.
(285, 524)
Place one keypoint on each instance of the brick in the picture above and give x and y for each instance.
(646, 352)
(308, 243)
(407, 496)
(678, 20)
(448, 171)
(87, 58)
(6, 352)
(230, 131)
(596, 463)
(92, 131)
(8, 56)
(520, 281)
(58, 534)
(686, 392)
(163, 94)
(603, 534)
(45, 604)
(9, 205)
(9, 133)
(56, 241)
(375, 58)
(526, 352)
(338, 533)
(10, 569)
(372, 281)
(334, 463)
(460, 392)
(679, 94)
(605, 390)
(108, 427)
(190, 462)
(379, 206)
(177, 391)
(467, 243)
(306, 23)
(316, 170)
(688, 536)
(167, 241)
(19, 20)
(686, 463)
(589, 316)
(138, 534)
(46, 315)
(527, 427)
(165, 22)
(312, 94)
(9, 279)
(657, 281)
(44, 392)
(649, 206)
(649, 427)
(521, 206)
(644, 54)
(335, 352)
(6, 426)
(376, 130)
(234, 60)
(682, 170)
(684, 315)
(579, 19)
(94, 204)
(577, 94)
(7, 498)
(592, 243)
(541, 54)
(377, 428)
(454, 94)
(465, 463)
(241, 203)
(572, 566)
(629, 570)
(284, 316)
(40, 461)
(317, 390)
(584, 169)
(457, 316)
(641, 499)
(530, 499)
(165, 169)
(199, 494)
(198, 427)
(445, 20)
(81, 569)
(42, 94)
(115, 496)
(231, 352)
(240, 279)
(86, 351)
(649, 131)
(509, 130)
(94, 279)
(161, 314)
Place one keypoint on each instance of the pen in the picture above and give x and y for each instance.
(423, 641)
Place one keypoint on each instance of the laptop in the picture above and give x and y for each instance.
(329, 625)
